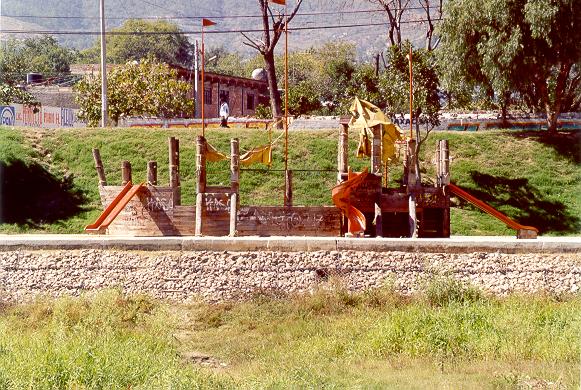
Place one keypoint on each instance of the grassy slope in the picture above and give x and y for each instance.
(330, 339)
(533, 180)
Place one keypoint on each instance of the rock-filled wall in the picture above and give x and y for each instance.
(217, 276)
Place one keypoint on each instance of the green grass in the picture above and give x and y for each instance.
(533, 179)
(449, 336)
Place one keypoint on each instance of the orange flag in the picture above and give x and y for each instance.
(207, 22)
(281, 2)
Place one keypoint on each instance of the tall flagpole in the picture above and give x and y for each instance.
(411, 94)
(104, 114)
(205, 23)
(285, 100)
(203, 85)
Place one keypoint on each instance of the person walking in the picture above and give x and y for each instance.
(224, 114)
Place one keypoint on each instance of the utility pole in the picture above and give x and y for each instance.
(104, 114)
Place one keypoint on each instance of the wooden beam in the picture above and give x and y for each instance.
(125, 172)
(99, 167)
(152, 172)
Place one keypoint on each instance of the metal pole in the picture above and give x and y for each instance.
(286, 200)
(196, 75)
(203, 87)
(411, 94)
(104, 114)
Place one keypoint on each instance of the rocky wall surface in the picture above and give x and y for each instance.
(217, 276)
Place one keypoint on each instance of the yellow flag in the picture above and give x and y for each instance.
(213, 155)
(261, 154)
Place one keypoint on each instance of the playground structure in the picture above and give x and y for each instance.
(364, 207)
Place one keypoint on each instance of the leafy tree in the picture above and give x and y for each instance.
(145, 88)
(394, 87)
(526, 46)
(11, 94)
(166, 43)
(303, 98)
(39, 54)
(270, 36)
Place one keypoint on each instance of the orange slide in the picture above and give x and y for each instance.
(113, 210)
(341, 194)
(521, 230)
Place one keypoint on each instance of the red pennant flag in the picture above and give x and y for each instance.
(281, 2)
(207, 22)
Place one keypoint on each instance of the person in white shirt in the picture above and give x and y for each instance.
(224, 114)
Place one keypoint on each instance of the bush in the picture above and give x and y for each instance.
(263, 112)
(442, 291)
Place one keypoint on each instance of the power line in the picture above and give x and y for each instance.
(328, 27)
(316, 13)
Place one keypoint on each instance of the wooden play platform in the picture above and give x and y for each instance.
(363, 206)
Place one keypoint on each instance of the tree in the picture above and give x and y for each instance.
(394, 10)
(40, 55)
(165, 42)
(145, 88)
(394, 87)
(270, 36)
(530, 47)
(303, 98)
(11, 94)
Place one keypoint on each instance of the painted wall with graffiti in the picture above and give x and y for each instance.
(49, 117)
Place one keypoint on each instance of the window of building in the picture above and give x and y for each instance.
(208, 95)
(250, 102)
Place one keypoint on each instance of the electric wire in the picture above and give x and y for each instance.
(210, 31)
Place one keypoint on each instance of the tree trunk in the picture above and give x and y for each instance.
(275, 101)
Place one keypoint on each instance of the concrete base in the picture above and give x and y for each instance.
(455, 244)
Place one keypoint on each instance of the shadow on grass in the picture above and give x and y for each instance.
(30, 195)
(529, 206)
(565, 142)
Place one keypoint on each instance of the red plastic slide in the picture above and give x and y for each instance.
(113, 210)
(522, 231)
(341, 194)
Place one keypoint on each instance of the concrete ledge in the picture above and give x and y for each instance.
(457, 244)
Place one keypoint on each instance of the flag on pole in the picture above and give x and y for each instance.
(208, 22)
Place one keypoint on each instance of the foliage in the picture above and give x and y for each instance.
(330, 338)
(302, 99)
(394, 84)
(11, 94)
(40, 55)
(166, 43)
(262, 112)
(145, 88)
(525, 46)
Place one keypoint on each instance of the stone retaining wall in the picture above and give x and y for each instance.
(215, 276)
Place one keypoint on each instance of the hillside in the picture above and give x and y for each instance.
(79, 15)
(49, 183)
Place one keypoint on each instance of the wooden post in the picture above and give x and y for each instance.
(438, 165)
(99, 167)
(378, 219)
(152, 172)
(413, 219)
(343, 150)
(411, 164)
(200, 164)
(233, 213)
(288, 197)
(174, 169)
(199, 204)
(125, 172)
(445, 161)
(235, 165)
(376, 150)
